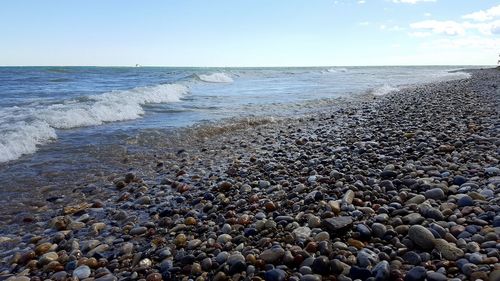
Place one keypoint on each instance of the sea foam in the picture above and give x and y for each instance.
(336, 70)
(24, 129)
(217, 77)
(384, 90)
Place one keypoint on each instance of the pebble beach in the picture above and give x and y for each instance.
(403, 186)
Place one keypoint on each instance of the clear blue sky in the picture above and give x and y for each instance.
(249, 33)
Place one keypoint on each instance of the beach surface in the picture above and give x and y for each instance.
(396, 187)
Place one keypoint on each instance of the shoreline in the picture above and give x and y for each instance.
(340, 193)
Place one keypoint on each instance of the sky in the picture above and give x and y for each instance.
(249, 33)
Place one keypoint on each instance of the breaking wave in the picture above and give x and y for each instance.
(384, 90)
(336, 70)
(217, 77)
(22, 130)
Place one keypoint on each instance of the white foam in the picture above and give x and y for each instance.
(23, 129)
(217, 77)
(451, 75)
(23, 138)
(384, 90)
(336, 70)
(110, 107)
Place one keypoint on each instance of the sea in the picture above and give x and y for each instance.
(57, 121)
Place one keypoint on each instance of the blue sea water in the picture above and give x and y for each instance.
(59, 119)
(41, 105)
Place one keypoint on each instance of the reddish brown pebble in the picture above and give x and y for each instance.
(183, 188)
(154, 277)
(311, 247)
(356, 243)
(270, 207)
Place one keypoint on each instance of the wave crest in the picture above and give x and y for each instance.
(217, 77)
(384, 90)
(336, 70)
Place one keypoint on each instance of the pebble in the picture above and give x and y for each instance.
(417, 199)
(263, 184)
(412, 258)
(107, 277)
(465, 201)
(18, 278)
(224, 238)
(145, 263)
(310, 277)
(448, 250)
(302, 233)
(43, 248)
(275, 275)
(495, 275)
(180, 240)
(418, 273)
(366, 258)
(348, 197)
(59, 276)
(359, 273)
(154, 277)
(235, 258)
(381, 271)
(222, 257)
(138, 231)
(476, 258)
(144, 200)
(379, 229)
(82, 272)
(493, 171)
(468, 268)
(314, 221)
(273, 254)
(226, 228)
(48, 257)
(337, 224)
(321, 265)
(435, 193)
(322, 236)
(436, 276)
(421, 236)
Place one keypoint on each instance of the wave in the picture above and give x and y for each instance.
(383, 90)
(217, 77)
(58, 70)
(454, 74)
(59, 80)
(336, 70)
(23, 138)
(22, 130)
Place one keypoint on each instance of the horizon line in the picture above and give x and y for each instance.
(278, 66)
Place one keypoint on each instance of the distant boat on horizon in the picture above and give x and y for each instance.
(137, 65)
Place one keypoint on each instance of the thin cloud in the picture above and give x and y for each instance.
(488, 28)
(440, 27)
(419, 34)
(457, 28)
(395, 28)
(484, 15)
(463, 42)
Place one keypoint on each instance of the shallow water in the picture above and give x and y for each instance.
(57, 123)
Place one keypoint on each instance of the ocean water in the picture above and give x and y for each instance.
(67, 119)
